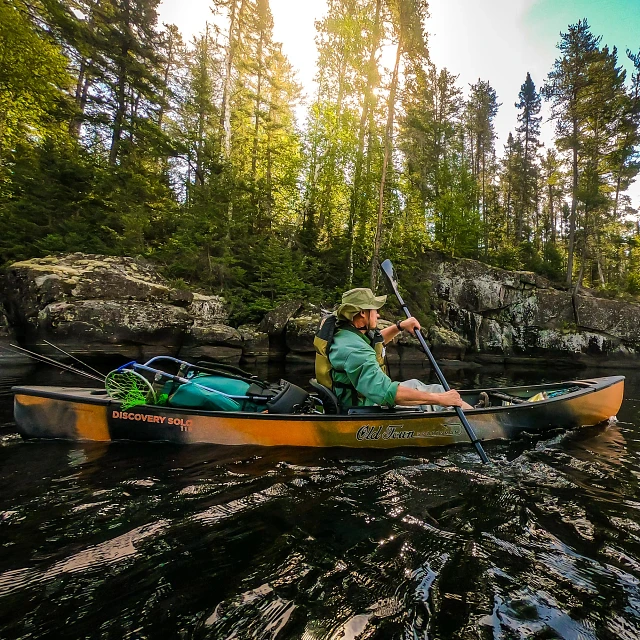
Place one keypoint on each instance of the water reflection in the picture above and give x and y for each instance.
(154, 540)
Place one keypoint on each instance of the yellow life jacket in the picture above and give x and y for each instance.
(323, 341)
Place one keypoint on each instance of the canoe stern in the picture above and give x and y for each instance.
(45, 417)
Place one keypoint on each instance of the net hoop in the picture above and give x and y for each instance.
(130, 387)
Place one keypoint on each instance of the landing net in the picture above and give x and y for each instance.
(130, 387)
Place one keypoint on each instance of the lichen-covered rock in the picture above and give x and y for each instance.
(208, 309)
(506, 315)
(495, 337)
(255, 343)
(300, 333)
(615, 318)
(133, 329)
(8, 355)
(32, 284)
(94, 305)
(477, 287)
(212, 341)
(275, 322)
(553, 309)
(446, 344)
(6, 331)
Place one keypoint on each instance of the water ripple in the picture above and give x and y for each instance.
(154, 541)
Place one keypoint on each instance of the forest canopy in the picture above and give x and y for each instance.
(118, 137)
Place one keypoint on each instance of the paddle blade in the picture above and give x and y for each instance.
(389, 272)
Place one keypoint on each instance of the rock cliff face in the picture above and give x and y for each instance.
(506, 315)
(104, 306)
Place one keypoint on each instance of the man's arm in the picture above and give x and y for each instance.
(410, 397)
(410, 325)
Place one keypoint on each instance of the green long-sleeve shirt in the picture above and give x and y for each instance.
(354, 362)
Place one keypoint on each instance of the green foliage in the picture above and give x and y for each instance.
(552, 262)
(507, 257)
(117, 138)
(33, 78)
(633, 284)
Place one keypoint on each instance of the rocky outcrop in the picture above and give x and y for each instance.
(300, 332)
(404, 349)
(204, 340)
(130, 328)
(255, 343)
(104, 306)
(8, 355)
(507, 315)
(93, 305)
(274, 324)
(487, 314)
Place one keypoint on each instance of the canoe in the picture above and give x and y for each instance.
(76, 413)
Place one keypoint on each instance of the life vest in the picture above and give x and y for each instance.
(323, 341)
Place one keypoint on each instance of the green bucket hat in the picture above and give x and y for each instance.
(355, 300)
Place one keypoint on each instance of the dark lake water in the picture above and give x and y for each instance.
(158, 541)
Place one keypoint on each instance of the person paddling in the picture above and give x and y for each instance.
(350, 358)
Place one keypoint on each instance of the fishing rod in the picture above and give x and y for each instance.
(50, 361)
(84, 364)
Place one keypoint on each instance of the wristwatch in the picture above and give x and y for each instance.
(398, 322)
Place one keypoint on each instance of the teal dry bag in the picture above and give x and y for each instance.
(190, 396)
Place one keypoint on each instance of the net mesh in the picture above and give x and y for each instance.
(131, 388)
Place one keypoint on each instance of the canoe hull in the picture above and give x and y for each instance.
(80, 414)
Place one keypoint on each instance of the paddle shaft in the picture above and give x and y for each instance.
(465, 423)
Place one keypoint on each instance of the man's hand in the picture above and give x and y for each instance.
(452, 398)
(410, 324)
(406, 396)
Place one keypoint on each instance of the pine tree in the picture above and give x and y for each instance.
(567, 88)
(529, 129)
(625, 162)
(431, 140)
(481, 110)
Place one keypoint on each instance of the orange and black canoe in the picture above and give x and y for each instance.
(75, 413)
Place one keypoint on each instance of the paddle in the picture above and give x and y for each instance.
(390, 276)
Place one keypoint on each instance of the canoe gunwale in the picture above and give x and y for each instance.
(84, 396)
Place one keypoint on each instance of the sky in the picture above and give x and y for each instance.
(495, 40)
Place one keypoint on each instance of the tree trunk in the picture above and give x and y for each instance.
(388, 142)
(121, 109)
(256, 132)
(574, 204)
(269, 176)
(366, 106)
(485, 220)
(235, 20)
(167, 71)
(119, 117)
(584, 254)
(509, 163)
(82, 87)
(330, 157)
(203, 71)
(552, 216)
(523, 192)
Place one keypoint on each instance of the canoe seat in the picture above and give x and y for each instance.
(287, 398)
(329, 399)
